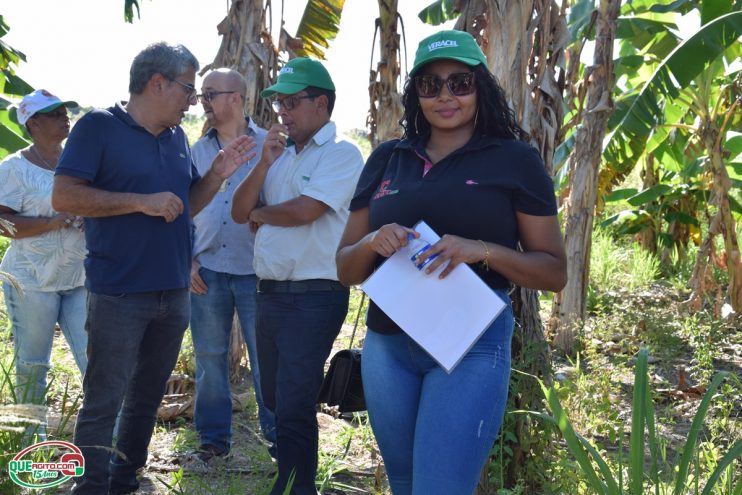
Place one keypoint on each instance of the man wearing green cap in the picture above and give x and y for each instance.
(297, 198)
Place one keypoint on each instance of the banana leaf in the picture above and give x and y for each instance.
(438, 12)
(689, 59)
(319, 24)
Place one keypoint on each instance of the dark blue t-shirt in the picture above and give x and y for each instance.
(473, 193)
(134, 252)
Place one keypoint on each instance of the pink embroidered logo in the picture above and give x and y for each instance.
(471, 183)
(383, 191)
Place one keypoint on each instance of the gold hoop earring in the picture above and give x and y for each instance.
(476, 115)
(417, 131)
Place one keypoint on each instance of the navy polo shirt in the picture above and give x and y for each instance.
(473, 193)
(134, 252)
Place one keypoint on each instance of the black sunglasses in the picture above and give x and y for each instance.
(459, 84)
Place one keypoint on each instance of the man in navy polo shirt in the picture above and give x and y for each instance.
(128, 171)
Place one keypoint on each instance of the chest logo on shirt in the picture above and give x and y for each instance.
(384, 190)
(471, 182)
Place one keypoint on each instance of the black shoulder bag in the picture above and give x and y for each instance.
(343, 386)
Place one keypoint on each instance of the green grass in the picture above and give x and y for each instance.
(615, 268)
(616, 265)
(229, 483)
(4, 243)
(607, 476)
(632, 304)
(356, 295)
(15, 421)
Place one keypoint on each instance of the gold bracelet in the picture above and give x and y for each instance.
(484, 262)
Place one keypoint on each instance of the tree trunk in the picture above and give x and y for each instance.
(384, 82)
(722, 223)
(504, 31)
(648, 237)
(701, 279)
(247, 46)
(584, 163)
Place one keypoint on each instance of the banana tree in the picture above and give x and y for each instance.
(639, 113)
(578, 158)
(716, 107)
(644, 127)
(384, 82)
(583, 165)
(247, 47)
(247, 44)
(684, 97)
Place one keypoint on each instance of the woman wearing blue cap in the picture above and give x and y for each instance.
(46, 252)
(463, 168)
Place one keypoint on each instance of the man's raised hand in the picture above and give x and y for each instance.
(233, 156)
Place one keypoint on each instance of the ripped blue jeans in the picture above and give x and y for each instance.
(34, 314)
(434, 429)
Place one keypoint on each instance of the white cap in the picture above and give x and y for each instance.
(39, 101)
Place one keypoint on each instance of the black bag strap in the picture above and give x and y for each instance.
(358, 317)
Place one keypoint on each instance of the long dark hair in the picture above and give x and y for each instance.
(494, 116)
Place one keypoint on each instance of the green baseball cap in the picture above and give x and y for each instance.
(451, 45)
(297, 74)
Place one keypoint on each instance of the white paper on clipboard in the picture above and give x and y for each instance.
(445, 317)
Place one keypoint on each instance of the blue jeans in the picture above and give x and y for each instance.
(134, 341)
(295, 336)
(434, 429)
(33, 315)
(211, 325)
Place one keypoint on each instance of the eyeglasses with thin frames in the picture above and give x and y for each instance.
(210, 95)
(290, 102)
(459, 84)
(191, 89)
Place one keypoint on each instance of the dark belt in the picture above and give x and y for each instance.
(299, 286)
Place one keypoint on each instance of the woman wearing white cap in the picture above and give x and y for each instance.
(463, 167)
(46, 252)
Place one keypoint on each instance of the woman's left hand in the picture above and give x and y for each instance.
(453, 250)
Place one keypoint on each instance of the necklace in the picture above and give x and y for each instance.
(38, 155)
